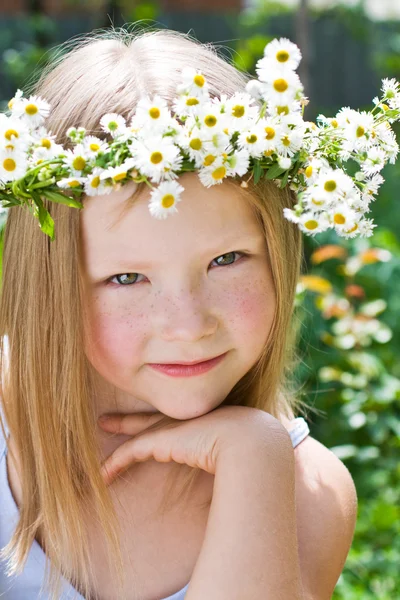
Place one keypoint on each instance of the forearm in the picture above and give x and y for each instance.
(250, 547)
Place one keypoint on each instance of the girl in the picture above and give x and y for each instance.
(201, 484)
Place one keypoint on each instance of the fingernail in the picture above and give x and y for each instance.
(104, 418)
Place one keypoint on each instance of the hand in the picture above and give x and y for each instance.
(195, 442)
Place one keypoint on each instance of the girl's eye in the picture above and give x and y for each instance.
(131, 278)
(125, 278)
(227, 259)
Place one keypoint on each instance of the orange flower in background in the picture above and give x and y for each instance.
(327, 252)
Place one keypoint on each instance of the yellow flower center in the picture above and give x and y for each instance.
(195, 144)
(10, 103)
(95, 182)
(46, 143)
(339, 219)
(10, 147)
(286, 141)
(210, 120)
(156, 158)
(282, 110)
(360, 131)
(79, 163)
(154, 112)
(74, 183)
(334, 123)
(330, 186)
(191, 102)
(317, 202)
(208, 160)
(219, 173)
(94, 147)
(119, 176)
(385, 107)
(238, 111)
(167, 201)
(270, 133)
(309, 171)
(9, 133)
(268, 152)
(199, 80)
(251, 139)
(281, 85)
(311, 224)
(31, 109)
(282, 56)
(352, 229)
(9, 164)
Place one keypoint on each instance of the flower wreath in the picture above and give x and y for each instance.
(257, 133)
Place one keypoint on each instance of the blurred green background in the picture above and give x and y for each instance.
(349, 298)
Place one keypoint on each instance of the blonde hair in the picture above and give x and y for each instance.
(48, 389)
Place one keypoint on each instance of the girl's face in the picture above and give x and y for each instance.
(188, 288)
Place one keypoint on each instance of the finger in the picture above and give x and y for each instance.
(129, 424)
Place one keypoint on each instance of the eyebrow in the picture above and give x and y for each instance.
(237, 243)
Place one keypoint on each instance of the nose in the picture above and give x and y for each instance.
(184, 316)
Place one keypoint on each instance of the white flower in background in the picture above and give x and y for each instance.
(42, 153)
(119, 173)
(164, 199)
(359, 130)
(254, 88)
(316, 198)
(94, 185)
(289, 141)
(282, 53)
(309, 222)
(374, 162)
(343, 217)
(193, 83)
(113, 124)
(372, 186)
(312, 168)
(391, 92)
(32, 110)
(366, 227)
(272, 131)
(156, 157)
(13, 165)
(152, 115)
(346, 116)
(186, 105)
(335, 183)
(276, 108)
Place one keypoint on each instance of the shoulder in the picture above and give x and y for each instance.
(326, 506)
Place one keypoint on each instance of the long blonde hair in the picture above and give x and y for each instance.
(47, 391)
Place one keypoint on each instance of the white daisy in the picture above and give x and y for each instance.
(93, 145)
(186, 105)
(272, 131)
(284, 162)
(372, 185)
(118, 174)
(94, 186)
(193, 83)
(152, 115)
(77, 159)
(240, 112)
(281, 88)
(366, 227)
(359, 130)
(15, 99)
(71, 182)
(13, 165)
(113, 123)
(33, 110)
(289, 141)
(238, 163)
(218, 142)
(213, 174)
(164, 199)
(254, 88)
(156, 157)
(210, 118)
(375, 161)
(252, 140)
(343, 217)
(14, 133)
(390, 89)
(283, 53)
(335, 182)
(309, 222)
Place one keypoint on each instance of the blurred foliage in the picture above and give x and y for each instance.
(348, 299)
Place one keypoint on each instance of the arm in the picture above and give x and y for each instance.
(250, 545)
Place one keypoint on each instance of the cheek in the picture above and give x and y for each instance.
(253, 309)
(114, 336)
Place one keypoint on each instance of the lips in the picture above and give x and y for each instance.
(188, 363)
(187, 369)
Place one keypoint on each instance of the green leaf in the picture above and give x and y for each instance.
(61, 199)
(274, 172)
(45, 220)
(285, 179)
(257, 172)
